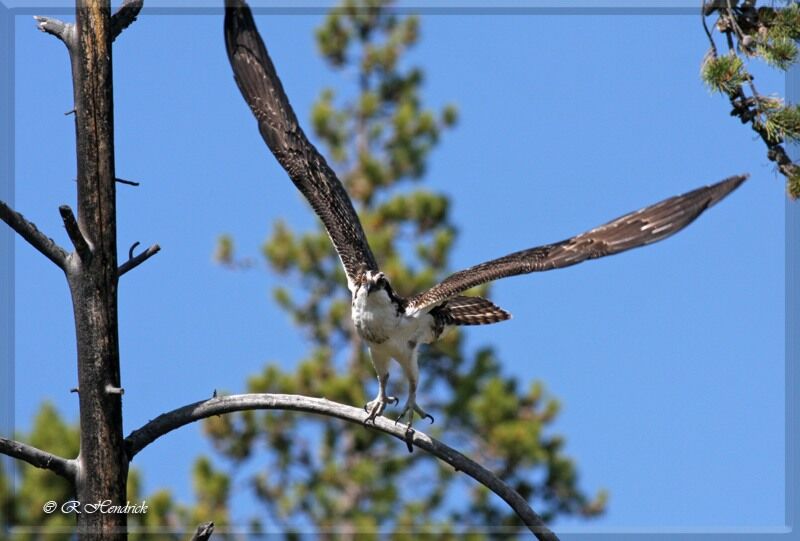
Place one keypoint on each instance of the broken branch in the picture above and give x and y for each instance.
(28, 231)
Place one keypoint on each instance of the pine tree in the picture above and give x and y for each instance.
(350, 479)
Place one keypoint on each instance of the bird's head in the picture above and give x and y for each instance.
(375, 281)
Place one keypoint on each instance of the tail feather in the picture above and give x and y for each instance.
(469, 311)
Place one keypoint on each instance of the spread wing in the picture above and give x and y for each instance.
(262, 90)
(636, 229)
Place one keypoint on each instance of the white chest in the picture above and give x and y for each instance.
(378, 322)
(375, 316)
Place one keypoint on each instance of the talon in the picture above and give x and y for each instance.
(423, 414)
(376, 407)
(410, 439)
(411, 409)
(411, 417)
(371, 417)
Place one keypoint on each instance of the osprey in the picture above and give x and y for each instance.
(393, 326)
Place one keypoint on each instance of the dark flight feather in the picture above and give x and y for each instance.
(262, 90)
(632, 230)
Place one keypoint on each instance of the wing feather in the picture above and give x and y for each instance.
(469, 311)
(262, 90)
(632, 230)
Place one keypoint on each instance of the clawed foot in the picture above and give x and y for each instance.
(376, 407)
(411, 408)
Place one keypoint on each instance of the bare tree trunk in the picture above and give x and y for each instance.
(92, 275)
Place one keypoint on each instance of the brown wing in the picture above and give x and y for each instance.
(636, 229)
(262, 90)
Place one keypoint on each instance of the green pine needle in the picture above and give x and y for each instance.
(780, 53)
(786, 22)
(793, 183)
(783, 124)
(769, 104)
(724, 73)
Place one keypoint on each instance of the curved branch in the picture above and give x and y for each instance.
(28, 231)
(41, 459)
(164, 423)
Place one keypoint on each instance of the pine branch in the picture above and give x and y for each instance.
(167, 422)
(41, 459)
(28, 231)
(768, 33)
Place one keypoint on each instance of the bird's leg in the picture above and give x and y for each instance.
(411, 407)
(376, 407)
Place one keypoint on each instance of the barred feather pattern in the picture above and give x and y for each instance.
(469, 311)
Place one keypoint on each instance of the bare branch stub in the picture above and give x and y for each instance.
(63, 31)
(125, 16)
(28, 231)
(36, 457)
(128, 182)
(134, 262)
(75, 235)
(140, 438)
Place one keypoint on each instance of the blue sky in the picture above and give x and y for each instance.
(669, 361)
